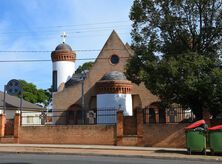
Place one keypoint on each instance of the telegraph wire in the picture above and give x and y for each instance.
(78, 25)
(70, 31)
(48, 51)
(88, 24)
(91, 24)
(86, 29)
(49, 60)
(85, 24)
(89, 29)
(71, 35)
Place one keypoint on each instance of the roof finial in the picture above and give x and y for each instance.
(64, 35)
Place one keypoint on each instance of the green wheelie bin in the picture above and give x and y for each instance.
(196, 137)
(215, 139)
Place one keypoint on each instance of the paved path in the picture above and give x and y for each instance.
(121, 151)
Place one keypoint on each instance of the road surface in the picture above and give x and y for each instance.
(12, 158)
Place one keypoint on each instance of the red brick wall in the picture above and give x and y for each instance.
(2, 125)
(165, 135)
(9, 127)
(69, 134)
(129, 124)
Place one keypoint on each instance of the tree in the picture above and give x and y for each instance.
(85, 66)
(34, 95)
(177, 47)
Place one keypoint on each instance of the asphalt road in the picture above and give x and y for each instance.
(7, 158)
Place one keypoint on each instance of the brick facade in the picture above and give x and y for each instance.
(70, 96)
(111, 86)
(63, 56)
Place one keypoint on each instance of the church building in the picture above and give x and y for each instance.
(98, 92)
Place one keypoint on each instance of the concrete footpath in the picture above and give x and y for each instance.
(124, 151)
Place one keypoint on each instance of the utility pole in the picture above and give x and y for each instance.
(83, 77)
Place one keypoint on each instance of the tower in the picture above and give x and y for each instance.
(113, 92)
(63, 63)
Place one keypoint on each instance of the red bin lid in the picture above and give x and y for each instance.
(218, 127)
(196, 124)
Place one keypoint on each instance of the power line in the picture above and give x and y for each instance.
(67, 29)
(24, 61)
(48, 51)
(85, 24)
(76, 30)
(89, 24)
(70, 31)
(75, 36)
(49, 60)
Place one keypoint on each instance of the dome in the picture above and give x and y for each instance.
(114, 75)
(114, 83)
(63, 46)
(63, 52)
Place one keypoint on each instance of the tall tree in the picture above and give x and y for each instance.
(177, 47)
(34, 95)
(85, 66)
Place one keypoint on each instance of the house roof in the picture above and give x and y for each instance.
(15, 102)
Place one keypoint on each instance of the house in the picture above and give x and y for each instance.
(30, 112)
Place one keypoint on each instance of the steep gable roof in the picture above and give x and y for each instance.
(113, 43)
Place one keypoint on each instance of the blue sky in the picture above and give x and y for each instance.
(36, 25)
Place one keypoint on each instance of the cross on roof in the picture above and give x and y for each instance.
(63, 36)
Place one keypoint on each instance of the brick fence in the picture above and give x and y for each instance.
(165, 135)
(154, 135)
(68, 134)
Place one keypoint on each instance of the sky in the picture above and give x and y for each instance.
(31, 29)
